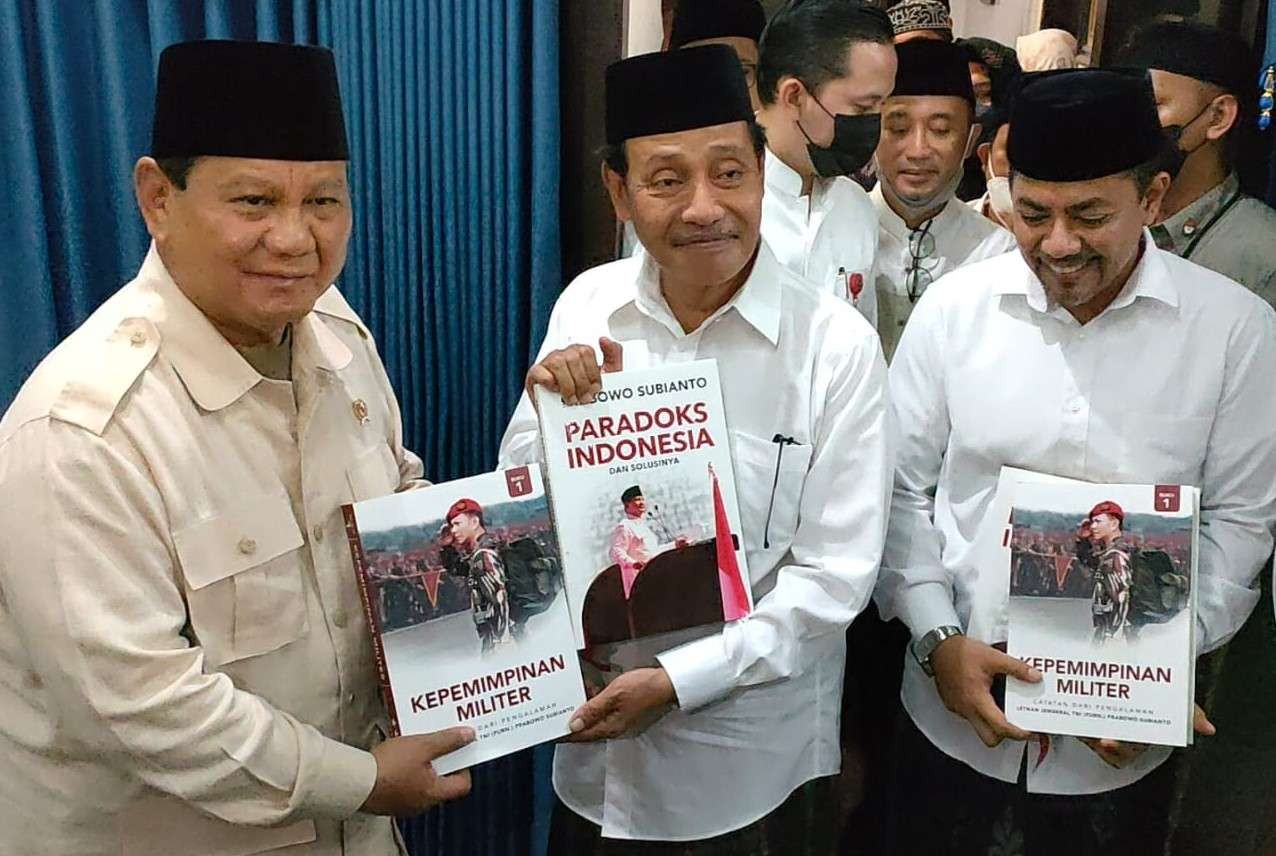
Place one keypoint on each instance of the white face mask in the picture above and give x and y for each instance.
(999, 198)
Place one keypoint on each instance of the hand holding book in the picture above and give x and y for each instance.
(406, 782)
(1119, 753)
(629, 704)
(964, 672)
(574, 372)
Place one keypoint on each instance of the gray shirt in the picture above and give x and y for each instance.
(1240, 243)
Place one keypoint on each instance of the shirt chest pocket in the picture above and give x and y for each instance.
(769, 475)
(243, 573)
(1165, 448)
(373, 473)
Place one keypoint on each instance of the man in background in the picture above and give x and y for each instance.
(928, 130)
(1202, 76)
(825, 68)
(914, 20)
(738, 24)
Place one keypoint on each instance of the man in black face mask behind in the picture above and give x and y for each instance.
(1202, 77)
(824, 69)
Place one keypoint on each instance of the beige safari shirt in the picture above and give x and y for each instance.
(184, 661)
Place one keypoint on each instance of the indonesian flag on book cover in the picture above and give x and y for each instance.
(735, 599)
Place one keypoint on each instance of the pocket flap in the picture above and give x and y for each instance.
(258, 530)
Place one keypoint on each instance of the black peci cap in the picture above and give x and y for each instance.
(697, 20)
(1082, 124)
(248, 99)
(662, 93)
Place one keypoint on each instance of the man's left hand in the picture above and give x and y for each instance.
(628, 705)
(1118, 754)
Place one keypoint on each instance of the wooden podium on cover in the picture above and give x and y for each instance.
(677, 589)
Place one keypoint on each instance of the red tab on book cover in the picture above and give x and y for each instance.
(518, 481)
(1167, 497)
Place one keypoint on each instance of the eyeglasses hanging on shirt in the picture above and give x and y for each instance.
(921, 251)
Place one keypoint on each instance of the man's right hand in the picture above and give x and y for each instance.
(964, 671)
(406, 782)
(573, 372)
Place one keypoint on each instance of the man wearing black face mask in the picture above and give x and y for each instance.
(1203, 76)
(824, 69)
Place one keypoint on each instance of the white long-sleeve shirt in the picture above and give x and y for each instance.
(1171, 384)
(184, 660)
(827, 236)
(960, 236)
(759, 701)
(632, 545)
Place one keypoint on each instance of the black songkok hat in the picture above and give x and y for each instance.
(249, 100)
(630, 494)
(928, 67)
(1081, 124)
(662, 93)
(697, 20)
(1193, 50)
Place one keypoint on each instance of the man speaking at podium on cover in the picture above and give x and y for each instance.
(633, 543)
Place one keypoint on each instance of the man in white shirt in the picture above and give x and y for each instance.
(184, 661)
(738, 721)
(824, 69)
(632, 542)
(928, 131)
(1089, 354)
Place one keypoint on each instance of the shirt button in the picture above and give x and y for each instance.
(350, 698)
(138, 339)
(339, 618)
(247, 546)
(1076, 405)
(317, 532)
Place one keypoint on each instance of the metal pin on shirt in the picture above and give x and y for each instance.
(360, 408)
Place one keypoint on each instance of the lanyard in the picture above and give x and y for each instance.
(1196, 239)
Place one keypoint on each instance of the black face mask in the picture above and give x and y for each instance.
(854, 141)
(1177, 155)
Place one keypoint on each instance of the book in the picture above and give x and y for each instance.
(643, 495)
(462, 588)
(1102, 594)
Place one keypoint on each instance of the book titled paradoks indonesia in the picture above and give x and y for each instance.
(463, 591)
(644, 499)
(1102, 603)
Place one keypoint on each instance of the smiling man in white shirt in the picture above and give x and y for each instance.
(928, 131)
(706, 746)
(824, 69)
(1089, 354)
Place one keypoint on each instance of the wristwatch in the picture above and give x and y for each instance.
(925, 646)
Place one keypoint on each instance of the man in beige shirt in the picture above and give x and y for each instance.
(184, 663)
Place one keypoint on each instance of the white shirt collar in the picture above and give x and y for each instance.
(1149, 279)
(781, 178)
(758, 301)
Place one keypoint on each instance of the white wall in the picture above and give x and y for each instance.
(644, 31)
(1003, 22)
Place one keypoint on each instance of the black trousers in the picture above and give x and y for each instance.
(801, 826)
(939, 806)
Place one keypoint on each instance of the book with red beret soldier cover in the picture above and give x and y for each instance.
(1102, 594)
(462, 588)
